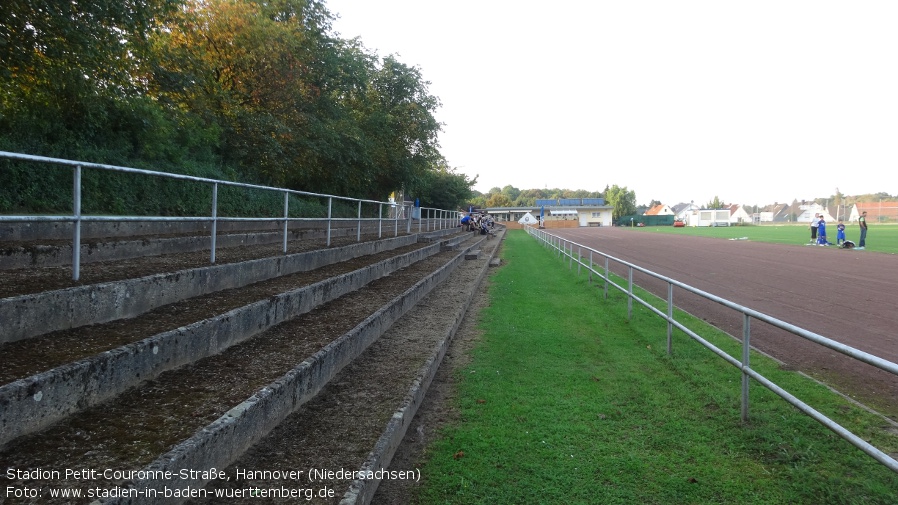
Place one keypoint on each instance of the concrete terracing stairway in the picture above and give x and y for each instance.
(188, 369)
(41, 245)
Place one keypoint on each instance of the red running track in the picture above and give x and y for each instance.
(845, 295)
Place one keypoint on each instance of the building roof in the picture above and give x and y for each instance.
(654, 211)
(680, 207)
(878, 211)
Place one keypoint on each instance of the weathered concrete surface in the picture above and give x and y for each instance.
(35, 314)
(31, 404)
(362, 491)
(223, 441)
(452, 244)
(37, 231)
(60, 254)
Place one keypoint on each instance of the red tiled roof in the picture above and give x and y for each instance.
(654, 210)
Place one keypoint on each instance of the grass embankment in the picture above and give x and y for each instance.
(565, 401)
(880, 238)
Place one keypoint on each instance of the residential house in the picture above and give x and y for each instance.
(659, 210)
(807, 211)
(776, 213)
(738, 214)
(682, 211)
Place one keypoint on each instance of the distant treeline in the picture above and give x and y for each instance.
(622, 199)
(262, 92)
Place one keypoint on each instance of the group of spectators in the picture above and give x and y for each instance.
(478, 221)
(818, 232)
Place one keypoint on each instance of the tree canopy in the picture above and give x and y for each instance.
(515, 197)
(263, 92)
(623, 200)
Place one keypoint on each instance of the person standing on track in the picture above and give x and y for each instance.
(862, 222)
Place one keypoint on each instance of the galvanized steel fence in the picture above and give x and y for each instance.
(566, 249)
(429, 218)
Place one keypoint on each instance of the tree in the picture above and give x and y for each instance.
(716, 203)
(443, 188)
(71, 74)
(405, 129)
(297, 106)
(528, 197)
(258, 70)
(511, 192)
(498, 200)
(622, 199)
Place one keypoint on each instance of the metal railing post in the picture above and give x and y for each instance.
(669, 318)
(330, 208)
(214, 219)
(380, 220)
(606, 277)
(358, 233)
(286, 217)
(408, 218)
(76, 224)
(395, 220)
(590, 266)
(746, 348)
(629, 293)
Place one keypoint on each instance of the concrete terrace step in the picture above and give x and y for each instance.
(37, 313)
(50, 244)
(38, 255)
(222, 441)
(42, 399)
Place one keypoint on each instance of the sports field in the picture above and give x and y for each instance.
(565, 400)
(880, 238)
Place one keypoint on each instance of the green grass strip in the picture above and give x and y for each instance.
(565, 401)
(880, 238)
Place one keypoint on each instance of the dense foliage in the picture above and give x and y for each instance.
(622, 199)
(510, 196)
(261, 92)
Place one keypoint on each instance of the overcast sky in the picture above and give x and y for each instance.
(753, 101)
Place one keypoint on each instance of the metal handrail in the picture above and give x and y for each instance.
(566, 248)
(439, 218)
